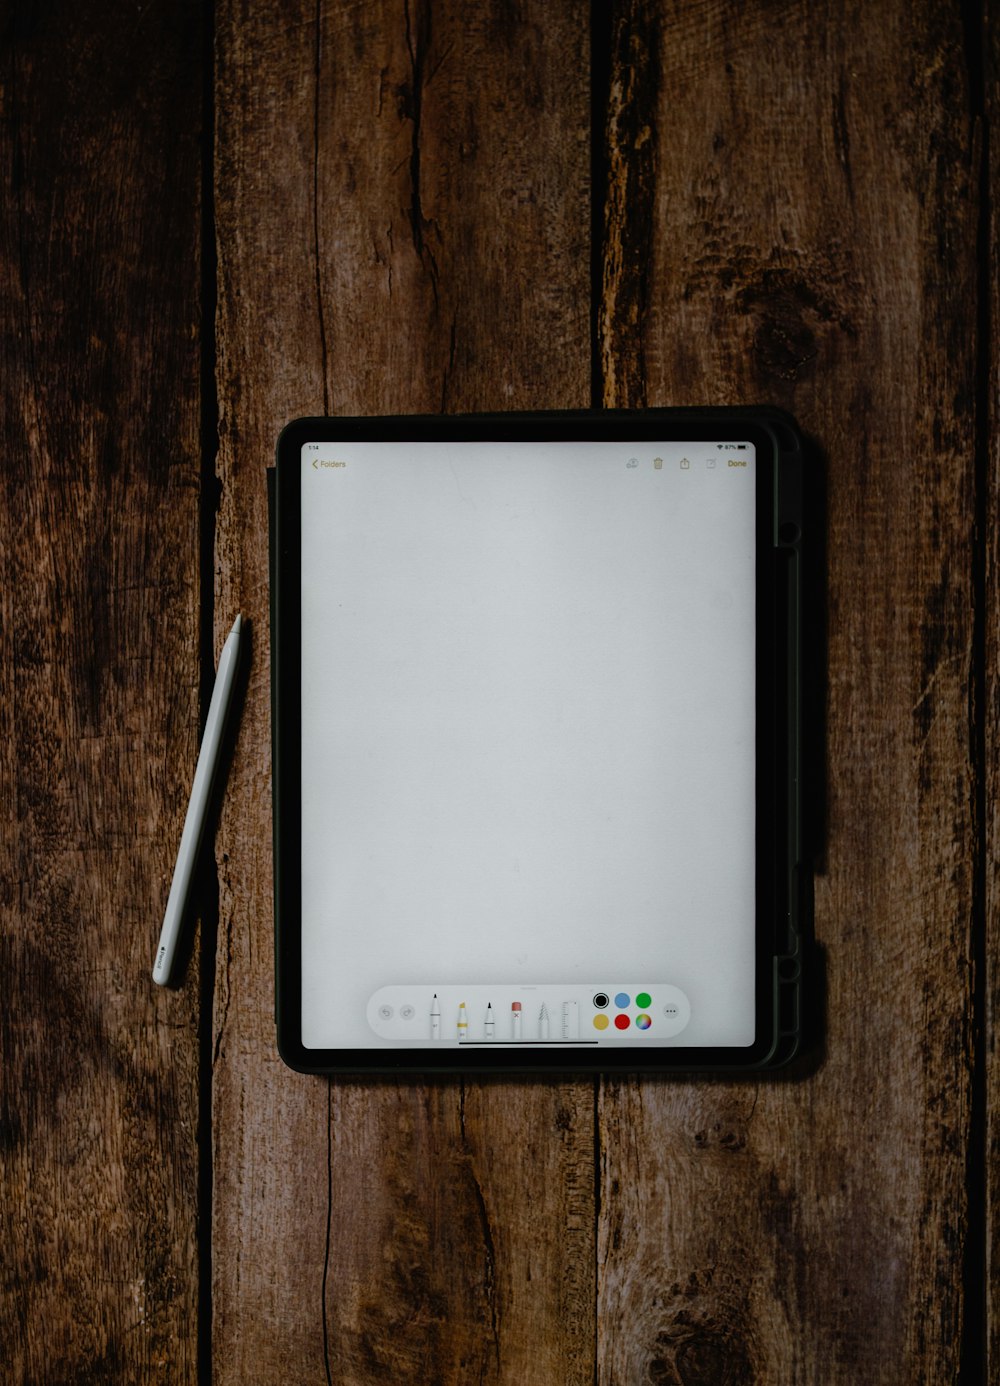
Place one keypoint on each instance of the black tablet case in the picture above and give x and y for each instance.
(794, 923)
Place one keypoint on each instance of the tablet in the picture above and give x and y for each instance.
(536, 762)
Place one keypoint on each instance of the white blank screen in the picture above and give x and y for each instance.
(527, 728)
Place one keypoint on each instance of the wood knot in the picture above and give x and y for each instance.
(793, 317)
(699, 1356)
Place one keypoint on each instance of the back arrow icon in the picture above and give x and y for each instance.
(315, 465)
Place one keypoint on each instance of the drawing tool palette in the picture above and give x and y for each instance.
(536, 754)
(573, 1013)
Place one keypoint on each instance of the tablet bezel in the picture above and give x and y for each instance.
(778, 528)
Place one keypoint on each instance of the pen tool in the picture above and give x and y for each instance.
(201, 790)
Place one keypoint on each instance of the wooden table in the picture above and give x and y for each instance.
(216, 217)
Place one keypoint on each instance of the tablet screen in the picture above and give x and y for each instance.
(528, 744)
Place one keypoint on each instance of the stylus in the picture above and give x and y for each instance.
(201, 790)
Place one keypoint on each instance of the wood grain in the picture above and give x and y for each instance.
(402, 215)
(988, 412)
(792, 219)
(403, 225)
(99, 702)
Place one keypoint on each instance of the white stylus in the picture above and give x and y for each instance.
(201, 790)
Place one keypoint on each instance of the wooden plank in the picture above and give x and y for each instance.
(403, 225)
(988, 410)
(99, 364)
(792, 219)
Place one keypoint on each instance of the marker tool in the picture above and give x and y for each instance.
(463, 1022)
(201, 791)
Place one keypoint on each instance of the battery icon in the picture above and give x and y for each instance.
(742, 447)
